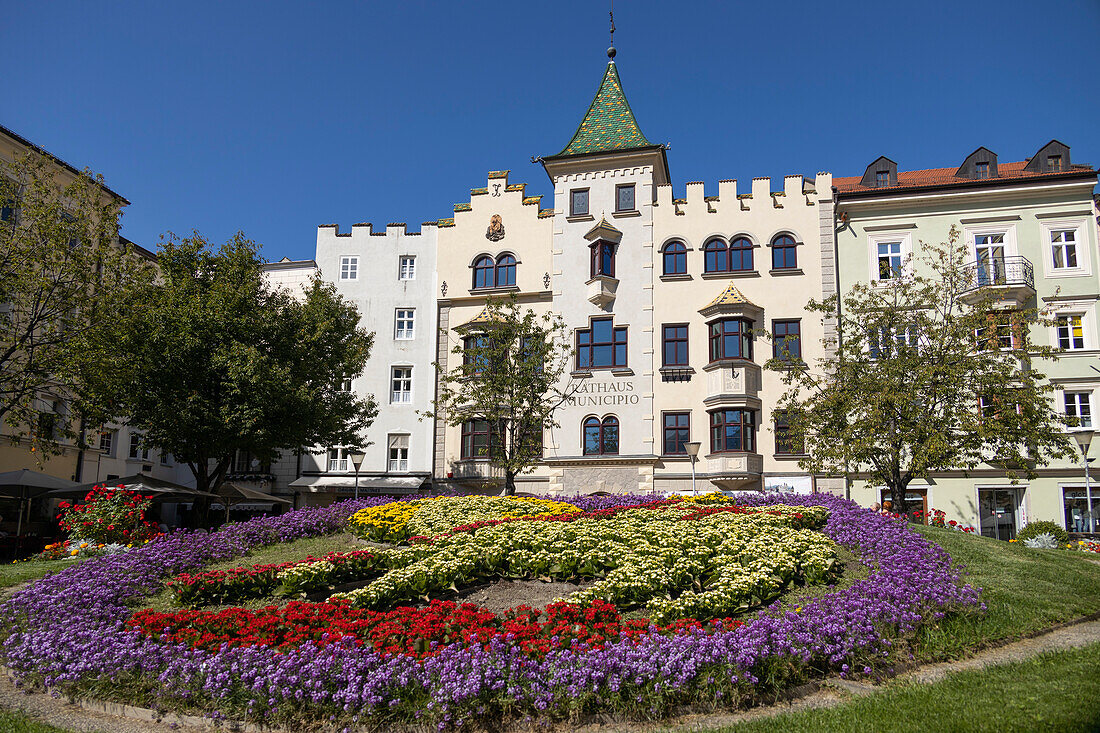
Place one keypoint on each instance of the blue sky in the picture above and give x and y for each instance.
(273, 117)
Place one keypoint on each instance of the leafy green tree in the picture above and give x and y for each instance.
(210, 361)
(510, 368)
(930, 372)
(63, 275)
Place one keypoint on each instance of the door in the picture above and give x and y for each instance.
(998, 509)
(989, 250)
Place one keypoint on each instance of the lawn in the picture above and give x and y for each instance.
(1024, 590)
(20, 572)
(14, 722)
(1056, 691)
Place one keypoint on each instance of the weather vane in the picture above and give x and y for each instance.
(611, 50)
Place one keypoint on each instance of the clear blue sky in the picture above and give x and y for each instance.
(274, 117)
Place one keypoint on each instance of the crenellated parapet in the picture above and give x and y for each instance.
(366, 229)
(798, 193)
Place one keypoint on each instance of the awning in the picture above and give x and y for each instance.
(239, 494)
(380, 484)
(142, 483)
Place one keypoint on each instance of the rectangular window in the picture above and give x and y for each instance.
(402, 381)
(677, 433)
(733, 431)
(137, 450)
(1079, 405)
(675, 352)
(624, 197)
(989, 251)
(1054, 162)
(578, 202)
(166, 459)
(345, 384)
(603, 259)
(787, 340)
(1071, 335)
(882, 178)
(399, 453)
(889, 260)
(403, 329)
(478, 441)
(786, 444)
(107, 440)
(731, 338)
(981, 170)
(1002, 332)
(603, 346)
(407, 269)
(338, 460)
(1063, 244)
(349, 268)
(885, 343)
(1080, 517)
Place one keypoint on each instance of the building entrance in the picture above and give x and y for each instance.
(998, 512)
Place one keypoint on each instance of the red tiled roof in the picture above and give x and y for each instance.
(947, 177)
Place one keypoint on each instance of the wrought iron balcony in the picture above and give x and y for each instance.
(1004, 272)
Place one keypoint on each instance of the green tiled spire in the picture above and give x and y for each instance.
(609, 124)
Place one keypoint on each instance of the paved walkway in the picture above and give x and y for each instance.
(70, 717)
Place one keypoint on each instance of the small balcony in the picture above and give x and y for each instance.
(734, 471)
(732, 383)
(1011, 278)
(476, 470)
(601, 290)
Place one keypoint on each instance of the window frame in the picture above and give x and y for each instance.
(744, 335)
(135, 450)
(333, 464)
(602, 258)
(685, 428)
(592, 344)
(603, 427)
(676, 339)
(405, 380)
(398, 320)
(391, 447)
(404, 273)
(468, 436)
(1077, 405)
(721, 256)
(679, 256)
(349, 268)
(718, 427)
(784, 444)
(573, 201)
(633, 198)
(1082, 247)
(778, 245)
(777, 354)
(1068, 316)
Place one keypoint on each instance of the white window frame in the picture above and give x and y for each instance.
(877, 238)
(346, 384)
(397, 452)
(1068, 310)
(340, 464)
(136, 450)
(349, 267)
(400, 334)
(401, 397)
(1009, 243)
(1083, 247)
(401, 269)
(111, 440)
(1087, 392)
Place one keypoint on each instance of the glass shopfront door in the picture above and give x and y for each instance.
(998, 511)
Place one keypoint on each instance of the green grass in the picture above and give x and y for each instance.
(14, 722)
(265, 555)
(20, 572)
(1056, 691)
(1024, 590)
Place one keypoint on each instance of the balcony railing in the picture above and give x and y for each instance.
(999, 271)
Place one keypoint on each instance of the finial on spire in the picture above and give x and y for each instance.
(611, 50)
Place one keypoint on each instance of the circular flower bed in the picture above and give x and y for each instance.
(77, 629)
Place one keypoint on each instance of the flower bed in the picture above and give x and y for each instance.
(417, 632)
(399, 520)
(70, 629)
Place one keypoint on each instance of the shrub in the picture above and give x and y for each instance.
(108, 516)
(1045, 541)
(1034, 529)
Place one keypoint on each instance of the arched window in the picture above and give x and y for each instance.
(484, 272)
(741, 254)
(675, 259)
(601, 437)
(716, 256)
(784, 253)
(506, 271)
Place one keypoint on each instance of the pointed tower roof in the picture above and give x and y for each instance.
(481, 319)
(730, 300)
(609, 123)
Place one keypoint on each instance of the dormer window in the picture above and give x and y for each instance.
(882, 179)
(1054, 163)
(981, 170)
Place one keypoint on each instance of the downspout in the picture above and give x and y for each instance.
(839, 330)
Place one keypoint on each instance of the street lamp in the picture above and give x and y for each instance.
(1084, 438)
(357, 457)
(692, 449)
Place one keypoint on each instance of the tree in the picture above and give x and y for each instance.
(930, 372)
(511, 364)
(211, 362)
(63, 275)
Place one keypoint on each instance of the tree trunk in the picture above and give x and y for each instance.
(897, 496)
(509, 483)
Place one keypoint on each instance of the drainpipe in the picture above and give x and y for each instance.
(839, 331)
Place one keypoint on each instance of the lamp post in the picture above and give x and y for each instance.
(1084, 438)
(357, 457)
(692, 449)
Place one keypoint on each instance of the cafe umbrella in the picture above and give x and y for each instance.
(25, 485)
